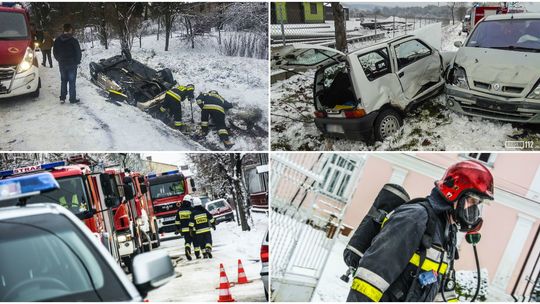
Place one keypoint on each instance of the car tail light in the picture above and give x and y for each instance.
(320, 114)
(356, 113)
(264, 253)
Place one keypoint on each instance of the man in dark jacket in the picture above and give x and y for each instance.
(404, 263)
(183, 217)
(214, 106)
(67, 52)
(200, 223)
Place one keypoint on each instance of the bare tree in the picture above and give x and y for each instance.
(340, 28)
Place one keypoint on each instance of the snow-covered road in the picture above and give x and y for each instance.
(200, 278)
(95, 124)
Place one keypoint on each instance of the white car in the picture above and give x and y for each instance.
(367, 92)
(496, 72)
(48, 254)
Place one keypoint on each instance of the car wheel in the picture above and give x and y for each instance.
(387, 123)
(95, 69)
(35, 94)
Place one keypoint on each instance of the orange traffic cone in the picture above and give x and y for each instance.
(224, 293)
(242, 278)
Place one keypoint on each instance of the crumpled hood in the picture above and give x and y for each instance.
(503, 66)
(12, 51)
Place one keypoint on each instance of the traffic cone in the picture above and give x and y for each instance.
(242, 278)
(224, 293)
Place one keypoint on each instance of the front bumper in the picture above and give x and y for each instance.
(20, 84)
(491, 106)
(224, 217)
(353, 128)
(166, 224)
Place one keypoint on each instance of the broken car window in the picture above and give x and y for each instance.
(375, 64)
(410, 51)
(310, 57)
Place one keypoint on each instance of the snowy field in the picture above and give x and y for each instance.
(429, 127)
(95, 124)
(199, 279)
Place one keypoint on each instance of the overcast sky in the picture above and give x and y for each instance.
(173, 158)
(531, 6)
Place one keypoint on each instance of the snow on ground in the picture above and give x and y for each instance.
(429, 127)
(200, 278)
(96, 124)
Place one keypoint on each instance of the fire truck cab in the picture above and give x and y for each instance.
(19, 72)
(167, 191)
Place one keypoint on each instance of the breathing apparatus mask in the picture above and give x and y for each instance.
(468, 212)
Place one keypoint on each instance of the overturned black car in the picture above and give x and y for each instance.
(126, 79)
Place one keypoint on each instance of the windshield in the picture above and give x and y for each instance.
(47, 258)
(513, 34)
(216, 205)
(70, 195)
(167, 189)
(12, 26)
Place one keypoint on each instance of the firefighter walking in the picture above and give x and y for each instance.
(213, 107)
(183, 217)
(201, 223)
(172, 104)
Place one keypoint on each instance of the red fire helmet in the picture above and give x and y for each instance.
(463, 177)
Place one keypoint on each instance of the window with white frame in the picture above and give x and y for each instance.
(487, 158)
(337, 172)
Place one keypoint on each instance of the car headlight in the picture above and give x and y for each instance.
(27, 61)
(458, 77)
(535, 93)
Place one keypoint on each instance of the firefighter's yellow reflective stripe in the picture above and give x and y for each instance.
(212, 220)
(191, 224)
(174, 95)
(202, 230)
(187, 245)
(197, 249)
(201, 219)
(216, 96)
(183, 88)
(208, 245)
(177, 223)
(228, 142)
(214, 108)
(428, 264)
(117, 93)
(373, 278)
(223, 132)
(185, 229)
(384, 221)
(162, 109)
(453, 300)
(179, 124)
(204, 123)
(184, 215)
(367, 289)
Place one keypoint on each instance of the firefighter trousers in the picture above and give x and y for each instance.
(174, 108)
(203, 241)
(219, 120)
(188, 242)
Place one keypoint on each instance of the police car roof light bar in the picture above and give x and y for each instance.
(28, 169)
(28, 185)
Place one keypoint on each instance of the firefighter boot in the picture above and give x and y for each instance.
(178, 125)
(188, 253)
(209, 253)
(197, 252)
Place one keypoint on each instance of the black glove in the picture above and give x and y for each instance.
(351, 259)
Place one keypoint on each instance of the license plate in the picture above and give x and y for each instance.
(334, 129)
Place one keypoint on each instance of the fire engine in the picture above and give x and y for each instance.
(19, 72)
(166, 190)
(478, 12)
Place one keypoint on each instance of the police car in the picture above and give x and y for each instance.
(48, 254)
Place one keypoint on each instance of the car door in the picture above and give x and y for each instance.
(417, 66)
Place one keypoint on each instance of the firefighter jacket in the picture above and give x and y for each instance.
(388, 269)
(213, 102)
(201, 220)
(183, 217)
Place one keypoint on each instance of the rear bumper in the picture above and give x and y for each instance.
(224, 217)
(21, 84)
(353, 128)
(491, 106)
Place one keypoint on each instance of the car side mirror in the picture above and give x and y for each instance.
(86, 214)
(128, 192)
(458, 44)
(152, 270)
(143, 188)
(105, 180)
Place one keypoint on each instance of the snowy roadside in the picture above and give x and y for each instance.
(200, 278)
(97, 125)
(430, 127)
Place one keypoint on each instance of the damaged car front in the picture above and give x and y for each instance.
(496, 72)
(366, 93)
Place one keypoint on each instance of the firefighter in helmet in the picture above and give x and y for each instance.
(183, 216)
(213, 107)
(172, 103)
(412, 257)
(201, 221)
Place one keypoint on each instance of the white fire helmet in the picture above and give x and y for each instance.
(197, 202)
(188, 198)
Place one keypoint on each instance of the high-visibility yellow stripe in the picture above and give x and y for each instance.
(117, 93)
(216, 96)
(183, 88)
(162, 109)
(177, 223)
(453, 300)
(191, 224)
(223, 132)
(367, 289)
(174, 95)
(179, 124)
(185, 229)
(204, 123)
(203, 230)
(214, 107)
(428, 264)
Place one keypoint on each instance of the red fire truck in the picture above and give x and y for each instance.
(166, 190)
(478, 12)
(90, 196)
(19, 72)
